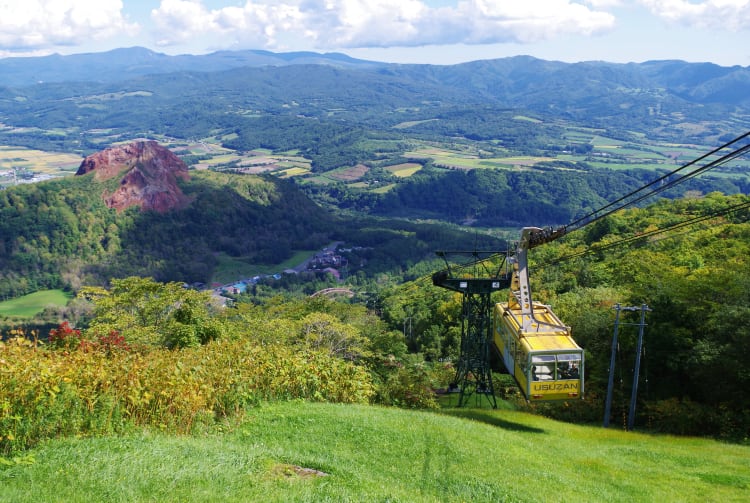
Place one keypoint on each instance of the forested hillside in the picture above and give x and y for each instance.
(525, 198)
(696, 281)
(61, 234)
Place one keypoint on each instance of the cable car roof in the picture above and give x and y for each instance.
(545, 342)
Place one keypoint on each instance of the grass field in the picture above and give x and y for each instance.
(44, 162)
(32, 304)
(297, 451)
(232, 269)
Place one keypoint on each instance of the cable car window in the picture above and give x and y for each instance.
(543, 367)
(569, 366)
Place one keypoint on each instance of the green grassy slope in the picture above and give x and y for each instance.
(34, 303)
(378, 454)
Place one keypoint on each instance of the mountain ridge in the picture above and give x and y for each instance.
(518, 81)
(131, 62)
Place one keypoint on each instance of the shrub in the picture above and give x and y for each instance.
(45, 392)
(64, 336)
(410, 382)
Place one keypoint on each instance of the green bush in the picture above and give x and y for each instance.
(47, 392)
(410, 382)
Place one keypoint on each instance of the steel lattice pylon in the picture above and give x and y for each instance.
(473, 371)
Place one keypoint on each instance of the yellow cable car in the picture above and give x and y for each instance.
(540, 354)
(536, 347)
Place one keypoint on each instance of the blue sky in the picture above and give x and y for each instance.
(402, 31)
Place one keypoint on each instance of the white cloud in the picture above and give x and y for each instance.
(733, 15)
(40, 26)
(530, 21)
(378, 23)
(604, 4)
(29, 25)
(178, 21)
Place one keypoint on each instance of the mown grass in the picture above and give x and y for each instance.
(299, 451)
(30, 305)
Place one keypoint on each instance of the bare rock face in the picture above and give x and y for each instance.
(149, 176)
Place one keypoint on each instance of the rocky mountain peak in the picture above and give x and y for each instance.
(149, 173)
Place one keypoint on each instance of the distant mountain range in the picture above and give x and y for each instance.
(120, 64)
(519, 80)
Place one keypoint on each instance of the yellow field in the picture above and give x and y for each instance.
(52, 164)
(384, 188)
(293, 172)
(404, 170)
(453, 159)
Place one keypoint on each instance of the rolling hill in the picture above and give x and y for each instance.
(139, 87)
(148, 217)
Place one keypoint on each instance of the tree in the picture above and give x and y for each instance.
(147, 312)
(324, 331)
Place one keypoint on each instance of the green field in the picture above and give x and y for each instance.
(33, 304)
(232, 269)
(314, 452)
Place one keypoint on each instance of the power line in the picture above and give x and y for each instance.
(639, 237)
(627, 201)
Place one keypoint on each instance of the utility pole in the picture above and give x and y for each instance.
(610, 383)
(608, 403)
(636, 372)
(410, 334)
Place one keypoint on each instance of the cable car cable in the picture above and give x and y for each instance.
(662, 188)
(669, 185)
(582, 221)
(595, 249)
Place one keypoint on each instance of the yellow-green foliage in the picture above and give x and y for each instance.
(147, 312)
(48, 393)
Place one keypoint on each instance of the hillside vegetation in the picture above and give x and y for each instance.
(297, 451)
(491, 146)
(692, 377)
(61, 234)
(695, 279)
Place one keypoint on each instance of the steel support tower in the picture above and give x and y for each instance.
(473, 370)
